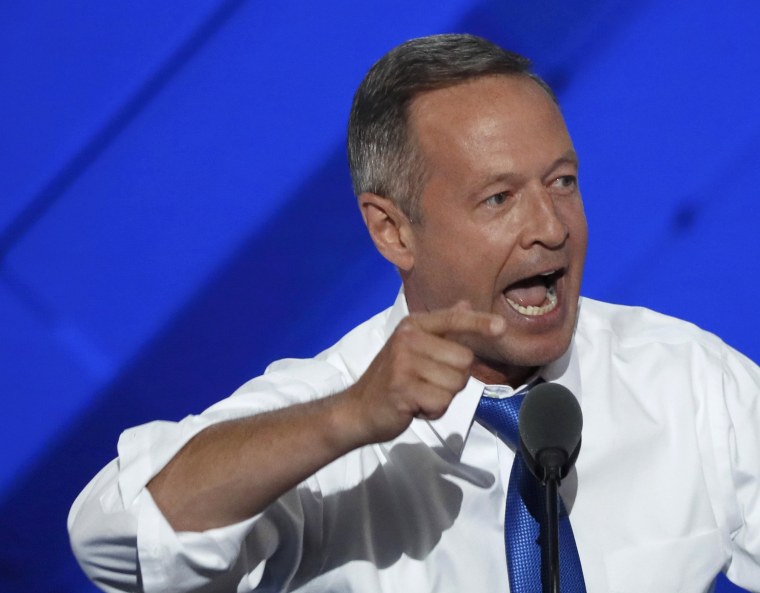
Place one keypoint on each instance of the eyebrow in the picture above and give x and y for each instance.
(568, 158)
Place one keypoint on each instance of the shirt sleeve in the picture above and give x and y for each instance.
(742, 401)
(124, 543)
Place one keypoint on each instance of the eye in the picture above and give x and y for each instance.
(496, 199)
(565, 184)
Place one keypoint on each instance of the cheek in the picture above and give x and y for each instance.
(573, 214)
(581, 238)
(454, 270)
(465, 258)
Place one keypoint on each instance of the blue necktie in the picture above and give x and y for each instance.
(525, 509)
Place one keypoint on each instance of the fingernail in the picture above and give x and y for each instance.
(498, 325)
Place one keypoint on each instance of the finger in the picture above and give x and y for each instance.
(435, 360)
(417, 343)
(432, 402)
(441, 375)
(457, 319)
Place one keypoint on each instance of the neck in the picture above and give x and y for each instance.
(492, 373)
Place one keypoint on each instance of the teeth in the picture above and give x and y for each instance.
(551, 303)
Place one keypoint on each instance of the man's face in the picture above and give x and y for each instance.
(502, 225)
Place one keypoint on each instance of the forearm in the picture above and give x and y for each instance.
(209, 473)
(233, 470)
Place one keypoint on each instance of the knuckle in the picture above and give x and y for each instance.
(455, 383)
(437, 408)
(414, 321)
(462, 358)
(449, 316)
(406, 324)
(467, 358)
(462, 382)
(397, 346)
(406, 332)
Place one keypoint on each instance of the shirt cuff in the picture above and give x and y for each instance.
(182, 561)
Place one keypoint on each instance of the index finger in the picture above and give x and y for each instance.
(460, 319)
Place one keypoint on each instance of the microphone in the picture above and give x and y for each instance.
(550, 423)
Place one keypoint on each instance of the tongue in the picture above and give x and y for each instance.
(527, 295)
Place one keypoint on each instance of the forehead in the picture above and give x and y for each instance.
(489, 90)
(492, 113)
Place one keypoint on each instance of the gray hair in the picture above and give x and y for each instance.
(382, 153)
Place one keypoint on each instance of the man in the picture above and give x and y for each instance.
(365, 469)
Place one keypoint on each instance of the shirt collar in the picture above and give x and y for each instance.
(453, 427)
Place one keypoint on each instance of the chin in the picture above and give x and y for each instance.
(534, 351)
(502, 363)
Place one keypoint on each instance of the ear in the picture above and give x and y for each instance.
(390, 230)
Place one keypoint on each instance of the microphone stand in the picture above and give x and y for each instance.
(551, 461)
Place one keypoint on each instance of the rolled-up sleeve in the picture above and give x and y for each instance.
(120, 537)
(124, 543)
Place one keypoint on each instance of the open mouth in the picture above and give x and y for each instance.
(534, 296)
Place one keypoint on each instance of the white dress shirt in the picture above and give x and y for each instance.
(665, 495)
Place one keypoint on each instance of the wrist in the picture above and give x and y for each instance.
(345, 429)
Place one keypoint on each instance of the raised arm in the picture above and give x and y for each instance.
(234, 470)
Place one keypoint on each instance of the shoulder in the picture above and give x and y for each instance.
(634, 327)
(634, 342)
(293, 380)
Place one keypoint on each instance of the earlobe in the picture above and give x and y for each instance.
(389, 229)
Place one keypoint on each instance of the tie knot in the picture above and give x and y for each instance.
(501, 416)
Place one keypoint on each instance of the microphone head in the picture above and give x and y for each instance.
(550, 423)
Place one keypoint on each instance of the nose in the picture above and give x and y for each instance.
(542, 221)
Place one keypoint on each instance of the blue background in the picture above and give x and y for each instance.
(175, 207)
